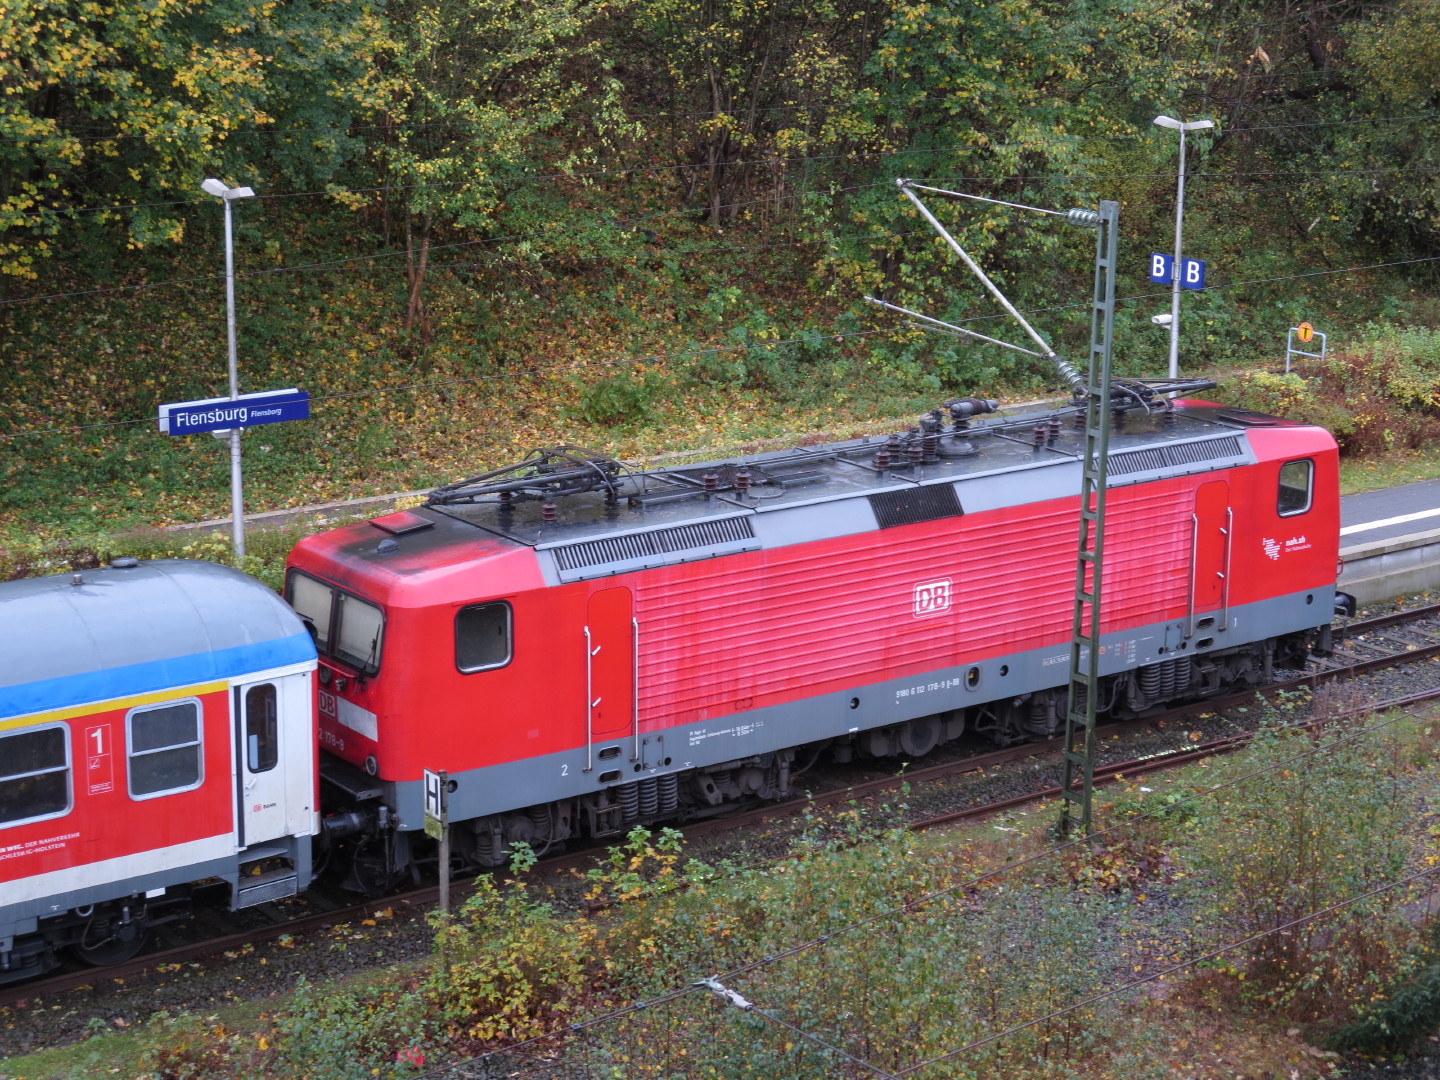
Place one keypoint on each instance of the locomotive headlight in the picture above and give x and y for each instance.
(326, 675)
(371, 765)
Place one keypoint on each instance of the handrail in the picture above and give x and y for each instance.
(1194, 557)
(635, 684)
(590, 704)
(1225, 574)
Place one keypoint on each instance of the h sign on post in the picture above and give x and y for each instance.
(1162, 269)
(435, 804)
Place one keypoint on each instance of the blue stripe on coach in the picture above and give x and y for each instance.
(180, 671)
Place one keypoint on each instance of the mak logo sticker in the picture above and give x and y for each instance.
(1273, 548)
(932, 598)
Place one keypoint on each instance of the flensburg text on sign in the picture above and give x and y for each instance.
(247, 410)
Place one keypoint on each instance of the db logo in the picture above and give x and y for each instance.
(932, 598)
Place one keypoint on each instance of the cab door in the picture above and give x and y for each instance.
(610, 638)
(1210, 569)
(273, 758)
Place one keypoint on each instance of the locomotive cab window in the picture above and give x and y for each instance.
(164, 746)
(34, 774)
(344, 626)
(262, 728)
(312, 601)
(482, 636)
(1296, 487)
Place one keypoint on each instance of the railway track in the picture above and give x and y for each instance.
(1362, 646)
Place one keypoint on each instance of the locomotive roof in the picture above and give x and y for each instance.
(135, 628)
(666, 516)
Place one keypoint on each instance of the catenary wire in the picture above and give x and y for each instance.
(720, 348)
(640, 223)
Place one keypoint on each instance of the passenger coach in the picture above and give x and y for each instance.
(156, 728)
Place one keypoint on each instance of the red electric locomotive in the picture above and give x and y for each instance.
(584, 648)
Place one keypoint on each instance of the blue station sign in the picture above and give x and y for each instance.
(247, 410)
(1162, 271)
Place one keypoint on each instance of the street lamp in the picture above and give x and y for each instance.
(227, 195)
(1175, 125)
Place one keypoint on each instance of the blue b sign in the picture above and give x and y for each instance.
(247, 410)
(1162, 269)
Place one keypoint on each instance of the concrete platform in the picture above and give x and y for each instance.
(1390, 542)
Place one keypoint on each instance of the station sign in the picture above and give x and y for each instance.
(247, 410)
(1162, 271)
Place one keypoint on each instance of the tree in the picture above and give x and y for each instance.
(481, 96)
(116, 111)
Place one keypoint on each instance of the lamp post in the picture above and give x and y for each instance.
(1175, 125)
(227, 195)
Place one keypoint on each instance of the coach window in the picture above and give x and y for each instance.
(34, 774)
(163, 742)
(1296, 484)
(262, 728)
(482, 636)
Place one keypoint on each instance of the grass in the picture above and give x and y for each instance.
(1392, 470)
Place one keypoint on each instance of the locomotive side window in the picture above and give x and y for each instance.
(34, 774)
(482, 636)
(262, 728)
(312, 601)
(345, 627)
(164, 748)
(1296, 485)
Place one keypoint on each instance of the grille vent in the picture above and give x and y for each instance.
(1172, 454)
(702, 534)
(914, 505)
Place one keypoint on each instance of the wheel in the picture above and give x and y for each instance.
(919, 737)
(107, 944)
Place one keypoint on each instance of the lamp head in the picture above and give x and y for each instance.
(1177, 125)
(220, 191)
(1163, 319)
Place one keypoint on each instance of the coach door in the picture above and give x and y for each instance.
(1212, 525)
(272, 762)
(610, 665)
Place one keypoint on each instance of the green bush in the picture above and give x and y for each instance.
(1307, 827)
